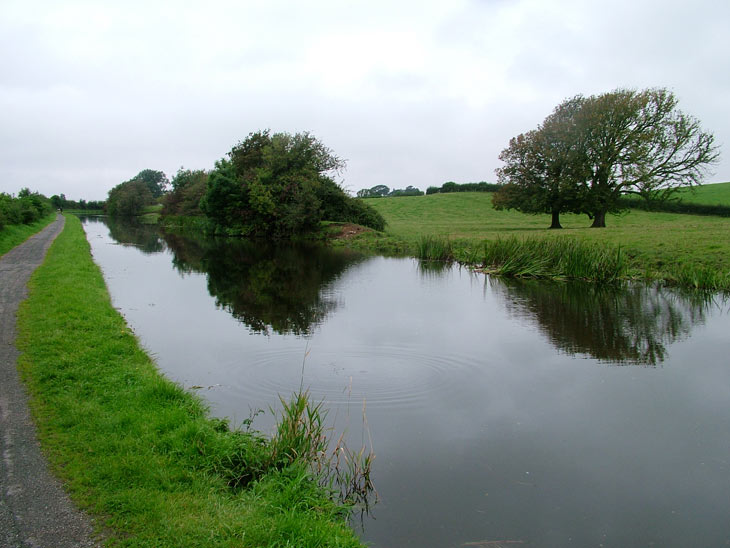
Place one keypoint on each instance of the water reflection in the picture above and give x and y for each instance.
(131, 232)
(630, 325)
(283, 288)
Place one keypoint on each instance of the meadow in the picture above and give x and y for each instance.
(654, 245)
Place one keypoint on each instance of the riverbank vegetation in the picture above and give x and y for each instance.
(274, 185)
(12, 235)
(142, 454)
(673, 248)
(22, 216)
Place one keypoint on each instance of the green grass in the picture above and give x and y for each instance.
(713, 194)
(12, 235)
(654, 245)
(136, 450)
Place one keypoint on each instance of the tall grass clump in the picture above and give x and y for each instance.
(554, 258)
(699, 277)
(434, 248)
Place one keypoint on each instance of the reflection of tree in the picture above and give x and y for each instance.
(628, 325)
(132, 232)
(278, 287)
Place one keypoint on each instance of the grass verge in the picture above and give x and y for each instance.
(13, 235)
(135, 449)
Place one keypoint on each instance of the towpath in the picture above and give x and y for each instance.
(35, 512)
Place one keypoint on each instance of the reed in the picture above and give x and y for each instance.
(553, 258)
(434, 248)
(699, 277)
(301, 436)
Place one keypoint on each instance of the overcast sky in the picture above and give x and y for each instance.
(408, 92)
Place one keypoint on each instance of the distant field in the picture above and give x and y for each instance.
(713, 194)
(652, 241)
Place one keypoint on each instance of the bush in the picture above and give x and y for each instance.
(27, 208)
(277, 185)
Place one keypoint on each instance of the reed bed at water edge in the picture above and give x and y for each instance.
(434, 248)
(554, 258)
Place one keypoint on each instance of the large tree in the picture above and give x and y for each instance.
(541, 172)
(280, 185)
(592, 150)
(128, 199)
(638, 142)
(156, 181)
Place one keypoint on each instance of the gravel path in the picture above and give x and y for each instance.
(34, 509)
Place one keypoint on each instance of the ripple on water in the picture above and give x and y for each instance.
(387, 376)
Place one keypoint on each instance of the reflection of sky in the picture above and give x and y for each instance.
(482, 430)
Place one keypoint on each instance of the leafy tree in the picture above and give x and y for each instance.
(188, 188)
(541, 174)
(156, 181)
(27, 208)
(128, 199)
(590, 151)
(638, 143)
(375, 192)
(278, 185)
(408, 191)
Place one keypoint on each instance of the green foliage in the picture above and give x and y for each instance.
(128, 199)
(554, 258)
(26, 209)
(188, 188)
(378, 191)
(592, 150)
(381, 191)
(277, 185)
(541, 173)
(60, 201)
(12, 235)
(652, 244)
(156, 181)
(434, 248)
(451, 186)
(408, 191)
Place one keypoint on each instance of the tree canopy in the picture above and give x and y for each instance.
(156, 181)
(280, 185)
(592, 150)
(128, 199)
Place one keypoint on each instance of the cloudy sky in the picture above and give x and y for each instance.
(408, 92)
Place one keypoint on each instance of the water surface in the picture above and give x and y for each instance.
(543, 414)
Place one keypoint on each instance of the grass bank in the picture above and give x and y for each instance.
(12, 235)
(687, 250)
(138, 451)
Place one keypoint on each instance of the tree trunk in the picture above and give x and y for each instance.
(556, 220)
(599, 220)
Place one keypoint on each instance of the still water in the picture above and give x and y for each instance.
(501, 413)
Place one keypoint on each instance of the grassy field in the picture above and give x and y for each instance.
(714, 194)
(12, 235)
(136, 450)
(655, 245)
